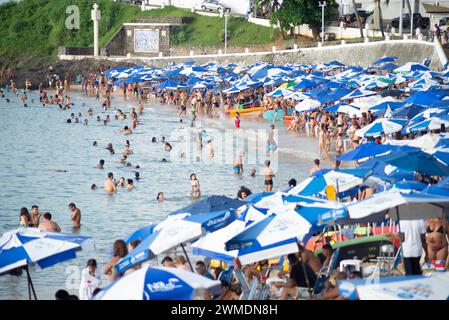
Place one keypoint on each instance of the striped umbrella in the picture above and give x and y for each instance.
(25, 246)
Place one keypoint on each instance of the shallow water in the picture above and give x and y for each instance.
(36, 141)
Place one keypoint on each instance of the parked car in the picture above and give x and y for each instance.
(130, 1)
(363, 14)
(214, 5)
(418, 21)
(444, 21)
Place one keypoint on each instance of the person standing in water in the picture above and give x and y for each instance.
(109, 184)
(76, 216)
(238, 165)
(269, 174)
(195, 184)
(271, 143)
(237, 120)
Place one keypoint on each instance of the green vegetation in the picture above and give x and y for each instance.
(206, 30)
(32, 30)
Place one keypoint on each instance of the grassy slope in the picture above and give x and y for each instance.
(205, 30)
(32, 30)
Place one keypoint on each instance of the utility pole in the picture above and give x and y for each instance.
(322, 5)
(411, 19)
(401, 17)
(226, 32)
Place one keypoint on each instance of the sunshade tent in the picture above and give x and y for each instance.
(26, 246)
(156, 283)
(433, 123)
(381, 126)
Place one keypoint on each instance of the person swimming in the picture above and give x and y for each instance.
(160, 197)
(153, 140)
(130, 184)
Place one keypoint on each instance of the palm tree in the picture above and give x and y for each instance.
(357, 17)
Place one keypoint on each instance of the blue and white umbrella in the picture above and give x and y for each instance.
(307, 105)
(156, 283)
(343, 180)
(433, 123)
(359, 93)
(25, 246)
(172, 232)
(381, 126)
(281, 92)
(384, 60)
(409, 67)
(430, 287)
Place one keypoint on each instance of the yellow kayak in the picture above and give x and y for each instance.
(233, 111)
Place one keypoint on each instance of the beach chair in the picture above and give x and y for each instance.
(325, 272)
(246, 288)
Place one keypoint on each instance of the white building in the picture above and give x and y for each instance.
(237, 6)
(392, 10)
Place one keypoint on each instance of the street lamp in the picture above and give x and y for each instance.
(226, 14)
(322, 5)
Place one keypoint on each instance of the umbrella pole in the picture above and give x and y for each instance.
(188, 260)
(30, 285)
(400, 238)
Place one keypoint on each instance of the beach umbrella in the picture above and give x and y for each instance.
(281, 92)
(392, 93)
(440, 189)
(407, 206)
(408, 111)
(273, 236)
(429, 113)
(384, 60)
(409, 67)
(199, 86)
(425, 98)
(370, 149)
(172, 232)
(210, 204)
(380, 126)
(279, 233)
(307, 105)
(386, 171)
(416, 160)
(427, 125)
(347, 109)
(256, 197)
(359, 93)
(140, 233)
(407, 185)
(297, 96)
(25, 246)
(156, 283)
(304, 83)
(342, 179)
(442, 154)
(418, 287)
(388, 67)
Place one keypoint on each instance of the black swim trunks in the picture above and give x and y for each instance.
(268, 182)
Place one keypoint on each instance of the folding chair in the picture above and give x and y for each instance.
(325, 272)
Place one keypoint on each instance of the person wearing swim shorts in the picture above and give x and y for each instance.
(269, 174)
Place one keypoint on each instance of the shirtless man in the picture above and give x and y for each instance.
(100, 164)
(109, 185)
(316, 167)
(238, 165)
(48, 225)
(76, 216)
(308, 257)
(126, 130)
(210, 151)
(269, 174)
(35, 216)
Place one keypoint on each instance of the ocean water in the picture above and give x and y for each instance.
(37, 143)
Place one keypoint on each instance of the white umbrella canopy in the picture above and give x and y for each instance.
(399, 206)
(307, 105)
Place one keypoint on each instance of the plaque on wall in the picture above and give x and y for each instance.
(146, 40)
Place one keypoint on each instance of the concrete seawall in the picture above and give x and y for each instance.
(356, 54)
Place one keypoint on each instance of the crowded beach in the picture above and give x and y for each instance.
(373, 206)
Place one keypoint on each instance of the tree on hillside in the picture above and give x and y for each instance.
(272, 5)
(293, 13)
